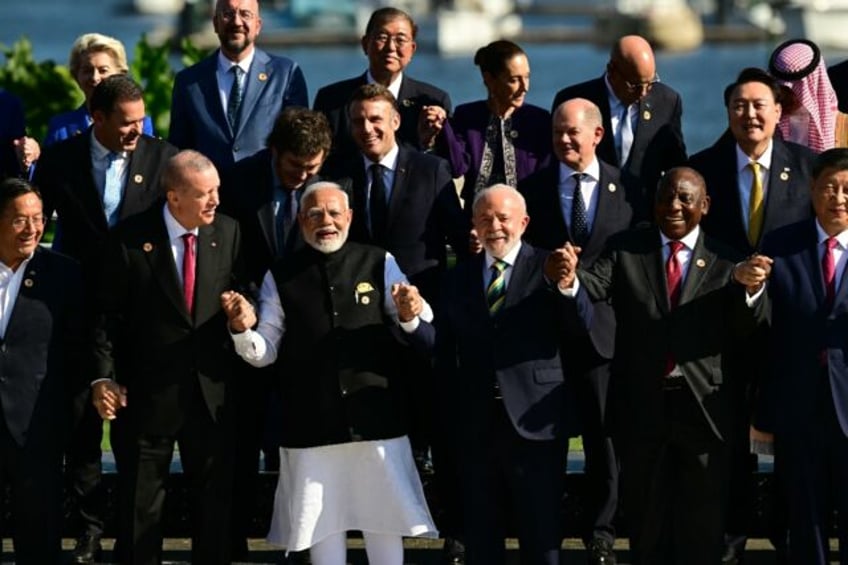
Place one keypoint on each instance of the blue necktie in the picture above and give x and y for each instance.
(234, 101)
(112, 188)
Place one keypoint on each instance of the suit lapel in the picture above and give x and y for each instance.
(399, 187)
(778, 191)
(607, 145)
(84, 187)
(606, 192)
(520, 278)
(654, 268)
(206, 301)
(701, 263)
(265, 211)
(475, 287)
(162, 264)
(256, 81)
(31, 287)
(208, 85)
(139, 183)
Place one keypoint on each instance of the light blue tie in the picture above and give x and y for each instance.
(112, 189)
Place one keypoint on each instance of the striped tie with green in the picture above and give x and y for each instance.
(496, 291)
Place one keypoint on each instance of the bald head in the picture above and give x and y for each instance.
(632, 68)
(577, 130)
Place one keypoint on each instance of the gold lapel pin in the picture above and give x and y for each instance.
(148, 247)
(138, 179)
(784, 176)
(646, 115)
(406, 103)
(701, 263)
(262, 76)
(611, 187)
(28, 283)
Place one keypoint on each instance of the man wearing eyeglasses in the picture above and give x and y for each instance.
(641, 119)
(389, 43)
(224, 105)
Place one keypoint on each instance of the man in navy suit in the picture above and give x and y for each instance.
(643, 136)
(41, 328)
(389, 43)
(586, 219)
(221, 106)
(498, 347)
(678, 312)
(95, 181)
(744, 209)
(804, 397)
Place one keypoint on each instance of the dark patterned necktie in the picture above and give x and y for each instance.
(236, 94)
(579, 219)
(496, 291)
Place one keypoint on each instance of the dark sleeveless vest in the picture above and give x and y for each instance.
(338, 362)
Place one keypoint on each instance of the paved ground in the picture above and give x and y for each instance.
(418, 552)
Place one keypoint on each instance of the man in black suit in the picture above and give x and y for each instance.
(643, 136)
(163, 359)
(41, 327)
(677, 311)
(838, 75)
(94, 181)
(744, 209)
(389, 44)
(498, 342)
(580, 199)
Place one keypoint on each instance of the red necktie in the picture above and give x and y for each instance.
(674, 275)
(189, 262)
(829, 271)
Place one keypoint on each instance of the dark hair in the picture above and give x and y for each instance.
(14, 187)
(753, 74)
(836, 158)
(301, 131)
(666, 180)
(373, 91)
(493, 57)
(383, 15)
(111, 91)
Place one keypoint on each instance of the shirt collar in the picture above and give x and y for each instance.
(509, 258)
(593, 171)
(841, 237)
(175, 229)
(4, 268)
(394, 86)
(224, 64)
(389, 160)
(614, 102)
(689, 240)
(764, 160)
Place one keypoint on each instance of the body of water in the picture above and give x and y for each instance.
(700, 76)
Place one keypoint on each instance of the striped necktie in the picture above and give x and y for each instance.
(496, 291)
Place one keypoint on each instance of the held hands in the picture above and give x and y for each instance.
(407, 301)
(561, 266)
(240, 314)
(108, 397)
(753, 272)
(430, 123)
(27, 151)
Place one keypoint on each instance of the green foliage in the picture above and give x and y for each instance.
(45, 88)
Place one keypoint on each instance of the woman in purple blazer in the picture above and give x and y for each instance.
(500, 139)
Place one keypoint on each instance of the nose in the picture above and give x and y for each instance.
(524, 85)
(750, 111)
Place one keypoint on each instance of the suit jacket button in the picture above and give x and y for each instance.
(236, 148)
(344, 392)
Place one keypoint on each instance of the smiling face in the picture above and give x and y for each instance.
(681, 201)
(830, 201)
(389, 47)
(94, 67)
(120, 129)
(500, 218)
(753, 114)
(373, 124)
(292, 170)
(21, 228)
(237, 24)
(194, 200)
(508, 88)
(325, 219)
(575, 135)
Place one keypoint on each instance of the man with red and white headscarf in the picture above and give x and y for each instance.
(811, 121)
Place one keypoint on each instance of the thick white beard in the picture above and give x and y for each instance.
(327, 247)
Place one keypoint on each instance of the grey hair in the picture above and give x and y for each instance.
(173, 175)
(322, 185)
(499, 188)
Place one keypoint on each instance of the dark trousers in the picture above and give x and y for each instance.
(83, 466)
(816, 466)
(601, 469)
(34, 474)
(673, 488)
(509, 480)
(206, 454)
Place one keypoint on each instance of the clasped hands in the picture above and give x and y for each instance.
(407, 300)
(753, 272)
(561, 266)
(240, 313)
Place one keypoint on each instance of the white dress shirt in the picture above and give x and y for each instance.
(394, 86)
(225, 76)
(10, 284)
(509, 259)
(588, 186)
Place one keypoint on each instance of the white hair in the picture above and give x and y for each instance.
(321, 185)
(484, 193)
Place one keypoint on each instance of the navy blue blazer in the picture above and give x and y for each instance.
(198, 120)
(802, 327)
(549, 230)
(333, 100)
(68, 124)
(519, 348)
(12, 126)
(838, 75)
(423, 215)
(41, 354)
(787, 195)
(657, 142)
